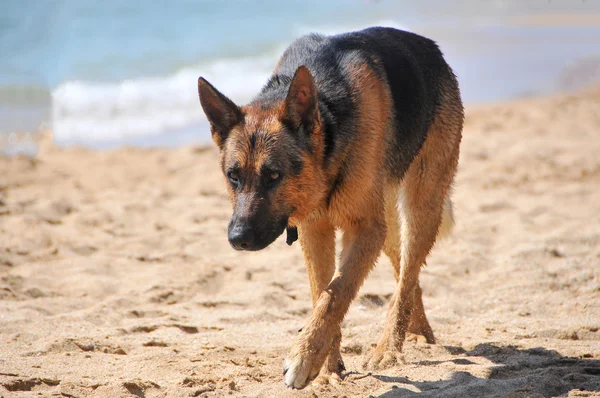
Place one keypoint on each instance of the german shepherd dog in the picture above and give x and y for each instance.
(358, 132)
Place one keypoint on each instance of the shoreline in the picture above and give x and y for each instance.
(28, 144)
(496, 59)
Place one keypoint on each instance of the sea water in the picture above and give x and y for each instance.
(109, 73)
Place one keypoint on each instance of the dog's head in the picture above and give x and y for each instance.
(271, 156)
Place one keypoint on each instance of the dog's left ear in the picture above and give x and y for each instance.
(221, 112)
(301, 106)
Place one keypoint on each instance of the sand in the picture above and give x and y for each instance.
(116, 278)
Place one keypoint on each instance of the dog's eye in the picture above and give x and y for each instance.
(233, 176)
(271, 178)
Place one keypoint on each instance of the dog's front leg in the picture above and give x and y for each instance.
(317, 238)
(362, 243)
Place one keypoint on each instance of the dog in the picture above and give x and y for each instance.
(358, 132)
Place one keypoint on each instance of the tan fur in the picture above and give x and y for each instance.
(423, 197)
(318, 245)
(406, 234)
(419, 326)
(374, 211)
(357, 209)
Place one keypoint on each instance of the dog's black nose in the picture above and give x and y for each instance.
(240, 237)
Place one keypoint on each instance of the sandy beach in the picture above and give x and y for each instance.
(117, 280)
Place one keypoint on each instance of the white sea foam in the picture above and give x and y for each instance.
(96, 113)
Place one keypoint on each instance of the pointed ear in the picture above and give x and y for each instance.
(221, 112)
(301, 106)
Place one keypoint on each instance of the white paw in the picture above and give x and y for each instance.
(296, 372)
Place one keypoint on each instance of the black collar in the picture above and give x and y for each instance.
(292, 235)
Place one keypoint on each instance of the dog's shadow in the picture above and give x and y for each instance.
(517, 373)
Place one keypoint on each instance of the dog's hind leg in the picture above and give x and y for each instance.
(419, 328)
(318, 246)
(391, 247)
(422, 200)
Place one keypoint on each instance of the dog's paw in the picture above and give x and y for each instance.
(383, 359)
(305, 361)
(419, 339)
(420, 332)
(328, 379)
(299, 370)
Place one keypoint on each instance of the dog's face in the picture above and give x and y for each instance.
(268, 158)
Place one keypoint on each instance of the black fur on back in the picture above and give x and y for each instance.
(411, 65)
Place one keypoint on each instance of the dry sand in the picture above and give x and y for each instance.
(116, 278)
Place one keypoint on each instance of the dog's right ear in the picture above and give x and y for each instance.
(301, 106)
(221, 112)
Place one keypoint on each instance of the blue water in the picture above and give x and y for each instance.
(107, 73)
